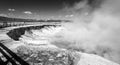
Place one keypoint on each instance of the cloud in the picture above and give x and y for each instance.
(83, 6)
(27, 12)
(69, 15)
(11, 9)
(3, 15)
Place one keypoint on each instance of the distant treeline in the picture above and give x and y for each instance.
(7, 22)
(7, 19)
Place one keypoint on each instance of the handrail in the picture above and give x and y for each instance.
(22, 62)
(7, 57)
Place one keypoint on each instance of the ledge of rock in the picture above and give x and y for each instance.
(16, 33)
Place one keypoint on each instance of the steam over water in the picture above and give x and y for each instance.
(95, 28)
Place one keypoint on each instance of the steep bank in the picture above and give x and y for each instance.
(15, 34)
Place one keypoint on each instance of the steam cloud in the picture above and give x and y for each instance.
(95, 28)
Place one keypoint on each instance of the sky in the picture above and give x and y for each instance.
(34, 8)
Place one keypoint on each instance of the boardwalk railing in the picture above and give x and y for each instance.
(10, 56)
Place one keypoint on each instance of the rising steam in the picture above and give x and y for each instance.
(95, 28)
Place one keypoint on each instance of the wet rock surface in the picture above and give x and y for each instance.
(45, 57)
(57, 56)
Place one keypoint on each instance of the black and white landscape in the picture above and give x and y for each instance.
(60, 32)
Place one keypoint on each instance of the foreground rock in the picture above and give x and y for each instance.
(56, 56)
